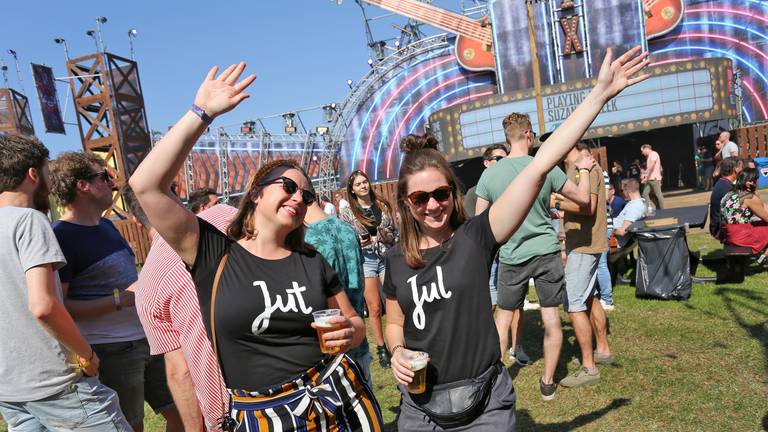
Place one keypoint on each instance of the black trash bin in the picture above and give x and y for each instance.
(663, 264)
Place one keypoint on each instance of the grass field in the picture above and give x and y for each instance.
(681, 366)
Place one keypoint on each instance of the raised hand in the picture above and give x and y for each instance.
(221, 94)
(616, 75)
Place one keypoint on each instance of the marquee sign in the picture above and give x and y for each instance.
(677, 93)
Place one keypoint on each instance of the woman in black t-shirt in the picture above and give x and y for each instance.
(436, 279)
(369, 214)
(259, 284)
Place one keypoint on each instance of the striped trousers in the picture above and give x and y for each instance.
(332, 396)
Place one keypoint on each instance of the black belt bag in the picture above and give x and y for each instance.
(459, 403)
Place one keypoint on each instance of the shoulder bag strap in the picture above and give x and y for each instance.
(216, 280)
(227, 424)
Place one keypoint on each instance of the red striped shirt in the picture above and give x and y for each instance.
(168, 307)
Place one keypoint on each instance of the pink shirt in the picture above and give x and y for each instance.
(169, 311)
(654, 166)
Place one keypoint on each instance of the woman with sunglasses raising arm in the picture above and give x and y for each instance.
(436, 279)
(259, 285)
(370, 215)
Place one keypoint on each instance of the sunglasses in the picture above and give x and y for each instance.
(103, 175)
(290, 187)
(496, 158)
(420, 198)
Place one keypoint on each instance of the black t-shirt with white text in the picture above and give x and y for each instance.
(447, 303)
(263, 309)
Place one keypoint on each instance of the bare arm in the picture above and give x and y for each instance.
(83, 310)
(152, 180)
(578, 193)
(622, 230)
(758, 208)
(480, 205)
(394, 335)
(510, 210)
(571, 207)
(183, 390)
(45, 306)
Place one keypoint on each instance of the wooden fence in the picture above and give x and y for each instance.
(137, 237)
(752, 140)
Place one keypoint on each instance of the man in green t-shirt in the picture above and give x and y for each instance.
(585, 241)
(533, 252)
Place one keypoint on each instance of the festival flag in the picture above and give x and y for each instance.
(49, 102)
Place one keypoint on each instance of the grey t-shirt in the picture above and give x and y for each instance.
(33, 365)
(730, 149)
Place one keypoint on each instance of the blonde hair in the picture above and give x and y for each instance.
(515, 126)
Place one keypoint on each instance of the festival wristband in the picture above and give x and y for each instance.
(116, 296)
(201, 113)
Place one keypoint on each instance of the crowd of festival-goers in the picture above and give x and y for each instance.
(222, 330)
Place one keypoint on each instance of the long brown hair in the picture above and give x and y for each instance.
(354, 204)
(421, 153)
(243, 224)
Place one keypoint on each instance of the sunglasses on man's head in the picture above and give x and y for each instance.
(290, 187)
(420, 198)
(103, 175)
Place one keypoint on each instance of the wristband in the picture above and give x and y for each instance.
(116, 296)
(201, 113)
(583, 169)
(394, 348)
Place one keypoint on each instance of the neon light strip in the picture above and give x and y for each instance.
(396, 135)
(725, 24)
(391, 118)
(719, 51)
(394, 94)
(379, 94)
(467, 98)
(746, 113)
(731, 11)
(670, 61)
(429, 109)
(759, 102)
(712, 36)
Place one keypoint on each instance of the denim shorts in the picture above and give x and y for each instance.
(373, 265)
(85, 406)
(136, 376)
(580, 280)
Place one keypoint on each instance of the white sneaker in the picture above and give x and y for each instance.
(607, 307)
(530, 306)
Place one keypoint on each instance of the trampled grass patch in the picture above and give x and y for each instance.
(681, 366)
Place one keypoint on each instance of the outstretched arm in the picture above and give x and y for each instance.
(508, 212)
(152, 180)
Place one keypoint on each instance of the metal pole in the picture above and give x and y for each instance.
(18, 70)
(99, 22)
(4, 69)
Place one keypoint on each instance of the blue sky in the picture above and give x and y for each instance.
(302, 51)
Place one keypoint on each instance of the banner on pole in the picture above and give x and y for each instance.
(49, 102)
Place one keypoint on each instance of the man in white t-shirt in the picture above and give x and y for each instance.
(633, 211)
(729, 147)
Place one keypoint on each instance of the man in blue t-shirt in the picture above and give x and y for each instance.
(95, 282)
(338, 243)
(633, 211)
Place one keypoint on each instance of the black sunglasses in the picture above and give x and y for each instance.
(290, 187)
(420, 198)
(495, 158)
(104, 175)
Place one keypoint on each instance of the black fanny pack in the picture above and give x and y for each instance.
(458, 403)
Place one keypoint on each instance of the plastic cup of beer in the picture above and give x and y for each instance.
(418, 360)
(323, 326)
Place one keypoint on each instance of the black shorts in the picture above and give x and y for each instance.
(548, 277)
